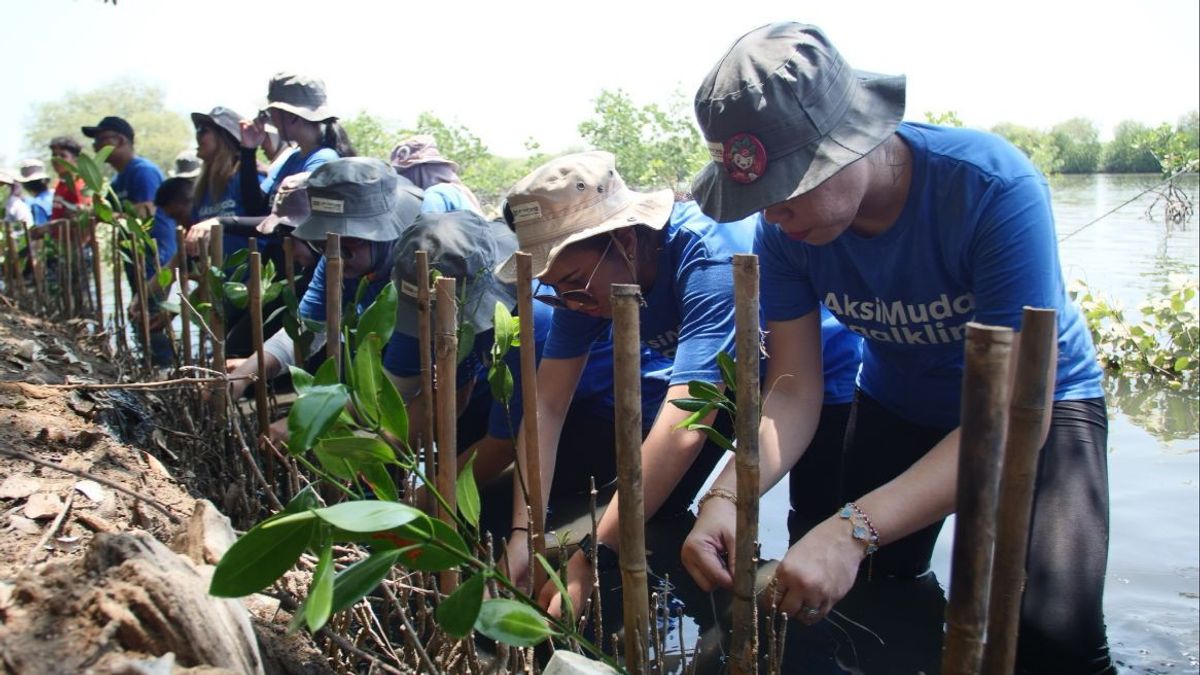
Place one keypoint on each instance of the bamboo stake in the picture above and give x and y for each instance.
(12, 265)
(529, 420)
(981, 446)
(202, 355)
(289, 272)
(744, 657)
(216, 245)
(333, 299)
(97, 273)
(262, 405)
(425, 346)
(142, 288)
(66, 285)
(118, 301)
(185, 318)
(39, 274)
(1027, 415)
(446, 345)
(627, 375)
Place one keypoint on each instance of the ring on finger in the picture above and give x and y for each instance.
(810, 612)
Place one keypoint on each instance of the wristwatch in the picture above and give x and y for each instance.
(598, 554)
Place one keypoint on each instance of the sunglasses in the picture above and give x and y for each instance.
(582, 298)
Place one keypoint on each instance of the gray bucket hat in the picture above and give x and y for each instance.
(299, 95)
(460, 244)
(572, 198)
(781, 113)
(359, 197)
(290, 207)
(222, 118)
(187, 165)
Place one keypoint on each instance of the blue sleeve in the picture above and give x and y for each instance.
(402, 357)
(572, 333)
(785, 290)
(143, 184)
(706, 326)
(318, 158)
(1014, 254)
(312, 305)
(162, 230)
(444, 198)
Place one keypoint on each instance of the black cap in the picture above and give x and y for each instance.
(110, 123)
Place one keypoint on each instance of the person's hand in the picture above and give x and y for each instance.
(579, 577)
(278, 432)
(708, 551)
(516, 557)
(819, 570)
(197, 236)
(253, 133)
(232, 364)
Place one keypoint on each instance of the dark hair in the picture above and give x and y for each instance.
(336, 137)
(173, 191)
(35, 187)
(67, 143)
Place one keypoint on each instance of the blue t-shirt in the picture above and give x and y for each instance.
(688, 314)
(41, 206)
(228, 203)
(312, 305)
(296, 163)
(139, 182)
(444, 198)
(974, 242)
(594, 391)
(162, 230)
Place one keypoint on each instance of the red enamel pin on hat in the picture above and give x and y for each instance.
(744, 158)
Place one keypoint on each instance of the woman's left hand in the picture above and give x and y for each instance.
(819, 570)
(579, 578)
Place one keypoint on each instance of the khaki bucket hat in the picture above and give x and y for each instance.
(573, 198)
(31, 170)
(781, 113)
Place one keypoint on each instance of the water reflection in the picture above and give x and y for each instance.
(1165, 413)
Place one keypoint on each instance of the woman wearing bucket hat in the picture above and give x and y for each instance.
(464, 246)
(32, 176)
(417, 159)
(218, 193)
(365, 202)
(586, 230)
(906, 232)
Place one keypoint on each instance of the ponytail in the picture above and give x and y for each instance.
(335, 136)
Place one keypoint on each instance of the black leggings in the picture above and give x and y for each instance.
(1062, 620)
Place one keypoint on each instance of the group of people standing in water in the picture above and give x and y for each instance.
(878, 239)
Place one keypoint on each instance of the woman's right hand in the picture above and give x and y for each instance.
(516, 556)
(708, 551)
(197, 236)
(253, 133)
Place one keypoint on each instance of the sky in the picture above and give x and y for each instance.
(510, 71)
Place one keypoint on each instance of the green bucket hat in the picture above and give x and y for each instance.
(359, 197)
(781, 113)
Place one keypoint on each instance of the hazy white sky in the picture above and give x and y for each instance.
(514, 70)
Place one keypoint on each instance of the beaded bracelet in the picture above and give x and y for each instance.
(861, 527)
(716, 492)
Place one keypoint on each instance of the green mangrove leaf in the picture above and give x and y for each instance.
(313, 413)
(457, 613)
(467, 493)
(512, 622)
(260, 557)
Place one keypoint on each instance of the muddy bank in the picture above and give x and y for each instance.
(93, 579)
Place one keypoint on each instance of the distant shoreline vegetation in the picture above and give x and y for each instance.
(656, 144)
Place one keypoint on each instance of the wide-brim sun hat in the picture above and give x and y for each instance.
(361, 198)
(416, 150)
(781, 113)
(572, 198)
(31, 170)
(300, 95)
(462, 245)
(221, 118)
